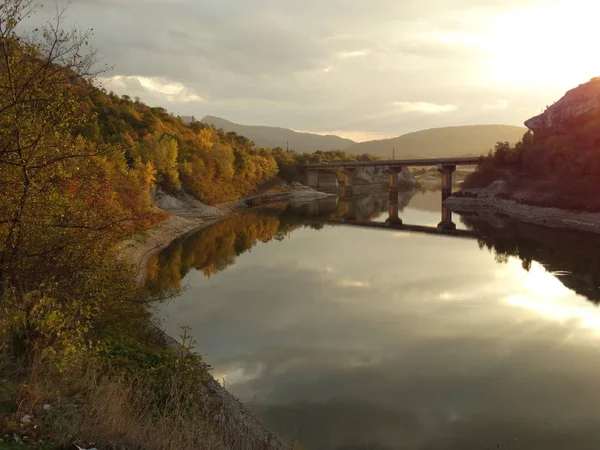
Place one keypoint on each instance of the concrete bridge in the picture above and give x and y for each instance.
(446, 166)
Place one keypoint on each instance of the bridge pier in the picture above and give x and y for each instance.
(349, 180)
(446, 224)
(446, 170)
(311, 177)
(313, 209)
(393, 174)
(394, 212)
(351, 210)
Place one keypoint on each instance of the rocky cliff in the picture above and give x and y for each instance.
(576, 107)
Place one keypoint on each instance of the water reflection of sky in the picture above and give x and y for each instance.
(355, 338)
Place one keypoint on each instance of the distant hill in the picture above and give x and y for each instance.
(449, 141)
(271, 137)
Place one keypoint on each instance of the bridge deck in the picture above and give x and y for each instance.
(464, 161)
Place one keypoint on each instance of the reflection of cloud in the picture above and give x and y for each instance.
(560, 312)
(405, 234)
(537, 280)
(399, 358)
(447, 296)
(543, 294)
(450, 387)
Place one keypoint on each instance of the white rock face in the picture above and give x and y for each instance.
(166, 201)
(184, 202)
(580, 101)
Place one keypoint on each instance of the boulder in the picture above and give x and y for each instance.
(379, 175)
(406, 178)
(371, 175)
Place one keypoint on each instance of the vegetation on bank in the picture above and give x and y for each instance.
(557, 168)
(80, 358)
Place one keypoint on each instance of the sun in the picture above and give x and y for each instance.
(549, 45)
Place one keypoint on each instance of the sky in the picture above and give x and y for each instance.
(360, 69)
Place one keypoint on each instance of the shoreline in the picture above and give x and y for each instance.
(537, 215)
(195, 216)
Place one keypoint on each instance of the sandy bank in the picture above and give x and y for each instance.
(549, 217)
(139, 249)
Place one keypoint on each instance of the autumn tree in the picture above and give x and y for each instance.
(161, 152)
(64, 200)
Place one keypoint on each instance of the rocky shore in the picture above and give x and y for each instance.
(548, 217)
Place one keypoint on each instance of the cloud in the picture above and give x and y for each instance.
(498, 104)
(352, 54)
(172, 91)
(312, 65)
(356, 136)
(355, 284)
(424, 107)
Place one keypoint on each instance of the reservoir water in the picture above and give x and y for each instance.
(344, 337)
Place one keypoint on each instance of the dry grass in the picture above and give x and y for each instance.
(118, 413)
(183, 413)
(113, 412)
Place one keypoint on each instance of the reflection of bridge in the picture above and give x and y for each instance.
(446, 166)
(390, 226)
(348, 211)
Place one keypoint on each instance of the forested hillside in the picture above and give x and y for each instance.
(208, 163)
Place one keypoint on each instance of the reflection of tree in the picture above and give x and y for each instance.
(571, 256)
(214, 248)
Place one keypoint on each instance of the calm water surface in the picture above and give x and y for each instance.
(352, 338)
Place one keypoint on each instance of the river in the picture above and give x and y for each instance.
(341, 337)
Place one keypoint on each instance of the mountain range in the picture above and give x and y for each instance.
(271, 137)
(436, 142)
(468, 140)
